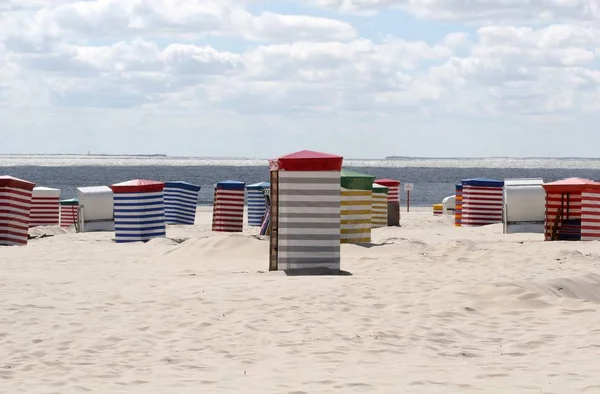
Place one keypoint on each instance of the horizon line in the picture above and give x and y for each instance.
(387, 158)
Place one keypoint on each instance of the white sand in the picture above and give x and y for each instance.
(434, 309)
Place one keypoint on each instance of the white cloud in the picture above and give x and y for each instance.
(333, 76)
(355, 73)
(160, 57)
(181, 19)
(5, 75)
(523, 70)
(483, 11)
(20, 5)
(506, 71)
(278, 27)
(456, 40)
(127, 74)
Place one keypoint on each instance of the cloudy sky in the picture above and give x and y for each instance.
(253, 78)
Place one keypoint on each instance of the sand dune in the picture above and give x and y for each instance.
(428, 309)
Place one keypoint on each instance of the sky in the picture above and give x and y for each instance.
(254, 78)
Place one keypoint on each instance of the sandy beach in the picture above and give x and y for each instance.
(428, 308)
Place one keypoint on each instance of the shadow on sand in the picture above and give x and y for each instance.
(316, 271)
(369, 245)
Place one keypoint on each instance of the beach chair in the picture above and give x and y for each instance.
(95, 211)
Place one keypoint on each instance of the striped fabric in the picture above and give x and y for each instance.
(379, 207)
(356, 216)
(393, 200)
(357, 202)
(45, 207)
(15, 207)
(228, 207)
(139, 216)
(438, 209)
(570, 226)
(181, 199)
(256, 203)
(394, 193)
(570, 230)
(265, 226)
(68, 212)
(309, 219)
(482, 205)
(459, 204)
(590, 216)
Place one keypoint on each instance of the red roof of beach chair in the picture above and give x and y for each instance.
(307, 160)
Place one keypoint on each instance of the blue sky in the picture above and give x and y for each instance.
(243, 78)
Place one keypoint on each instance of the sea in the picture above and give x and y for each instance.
(432, 178)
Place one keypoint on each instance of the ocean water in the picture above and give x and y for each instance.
(433, 179)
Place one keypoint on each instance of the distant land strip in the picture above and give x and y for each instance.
(85, 154)
(488, 157)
